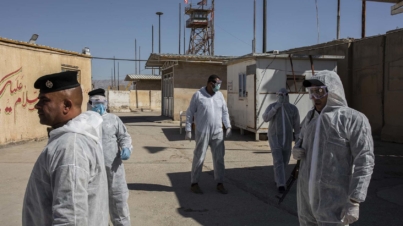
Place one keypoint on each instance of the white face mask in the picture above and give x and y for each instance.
(217, 88)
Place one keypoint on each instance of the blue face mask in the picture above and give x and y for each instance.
(217, 88)
(100, 108)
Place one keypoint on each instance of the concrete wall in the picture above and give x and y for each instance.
(118, 101)
(148, 85)
(237, 105)
(20, 67)
(149, 99)
(195, 75)
(367, 80)
(190, 77)
(393, 85)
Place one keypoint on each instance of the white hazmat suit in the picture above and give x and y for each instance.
(339, 158)
(209, 113)
(284, 119)
(68, 184)
(115, 136)
(115, 139)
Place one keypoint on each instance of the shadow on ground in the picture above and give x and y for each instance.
(149, 187)
(154, 150)
(235, 208)
(138, 118)
(382, 205)
(173, 134)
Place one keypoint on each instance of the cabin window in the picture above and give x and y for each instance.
(242, 85)
(294, 84)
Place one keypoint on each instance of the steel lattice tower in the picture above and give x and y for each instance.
(201, 21)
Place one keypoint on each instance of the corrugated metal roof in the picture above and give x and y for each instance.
(142, 77)
(157, 60)
(387, 1)
(15, 42)
(254, 56)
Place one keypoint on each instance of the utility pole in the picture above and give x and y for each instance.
(135, 56)
(180, 26)
(159, 31)
(139, 60)
(264, 24)
(254, 27)
(212, 28)
(111, 79)
(338, 19)
(152, 43)
(364, 9)
(114, 74)
(118, 76)
(184, 37)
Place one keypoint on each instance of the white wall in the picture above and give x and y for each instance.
(271, 75)
(118, 101)
(236, 105)
(274, 77)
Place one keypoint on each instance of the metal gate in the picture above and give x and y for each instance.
(168, 94)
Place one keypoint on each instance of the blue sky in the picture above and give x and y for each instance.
(109, 27)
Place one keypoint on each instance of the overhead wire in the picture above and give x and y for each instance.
(233, 35)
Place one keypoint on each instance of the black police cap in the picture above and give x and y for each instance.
(56, 82)
(94, 92)
(312, 82)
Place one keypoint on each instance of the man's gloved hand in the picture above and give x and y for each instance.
(298, 153)
(188, 135)
(125, 154)
(277, 106)
(351, 212)
(228, 133)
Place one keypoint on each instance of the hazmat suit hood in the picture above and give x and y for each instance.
(339, 157)
(336, 96)
(68, 184)
(284, 99)
(88, 123)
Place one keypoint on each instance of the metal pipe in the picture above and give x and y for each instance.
(180, 26)
(212, 29)
(364, 9)
(338, 19)
(152, 42)
(254, 27)
(184, 37)
(159, 31)
(114, 74)
(264, 24)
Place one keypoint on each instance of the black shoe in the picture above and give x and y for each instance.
(221, 189)
(196, 189)
(281, 189)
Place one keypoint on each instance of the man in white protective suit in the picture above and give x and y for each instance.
(68, 184)
(283, 119)
(209, 109)
(336, 151)
(117, 146)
